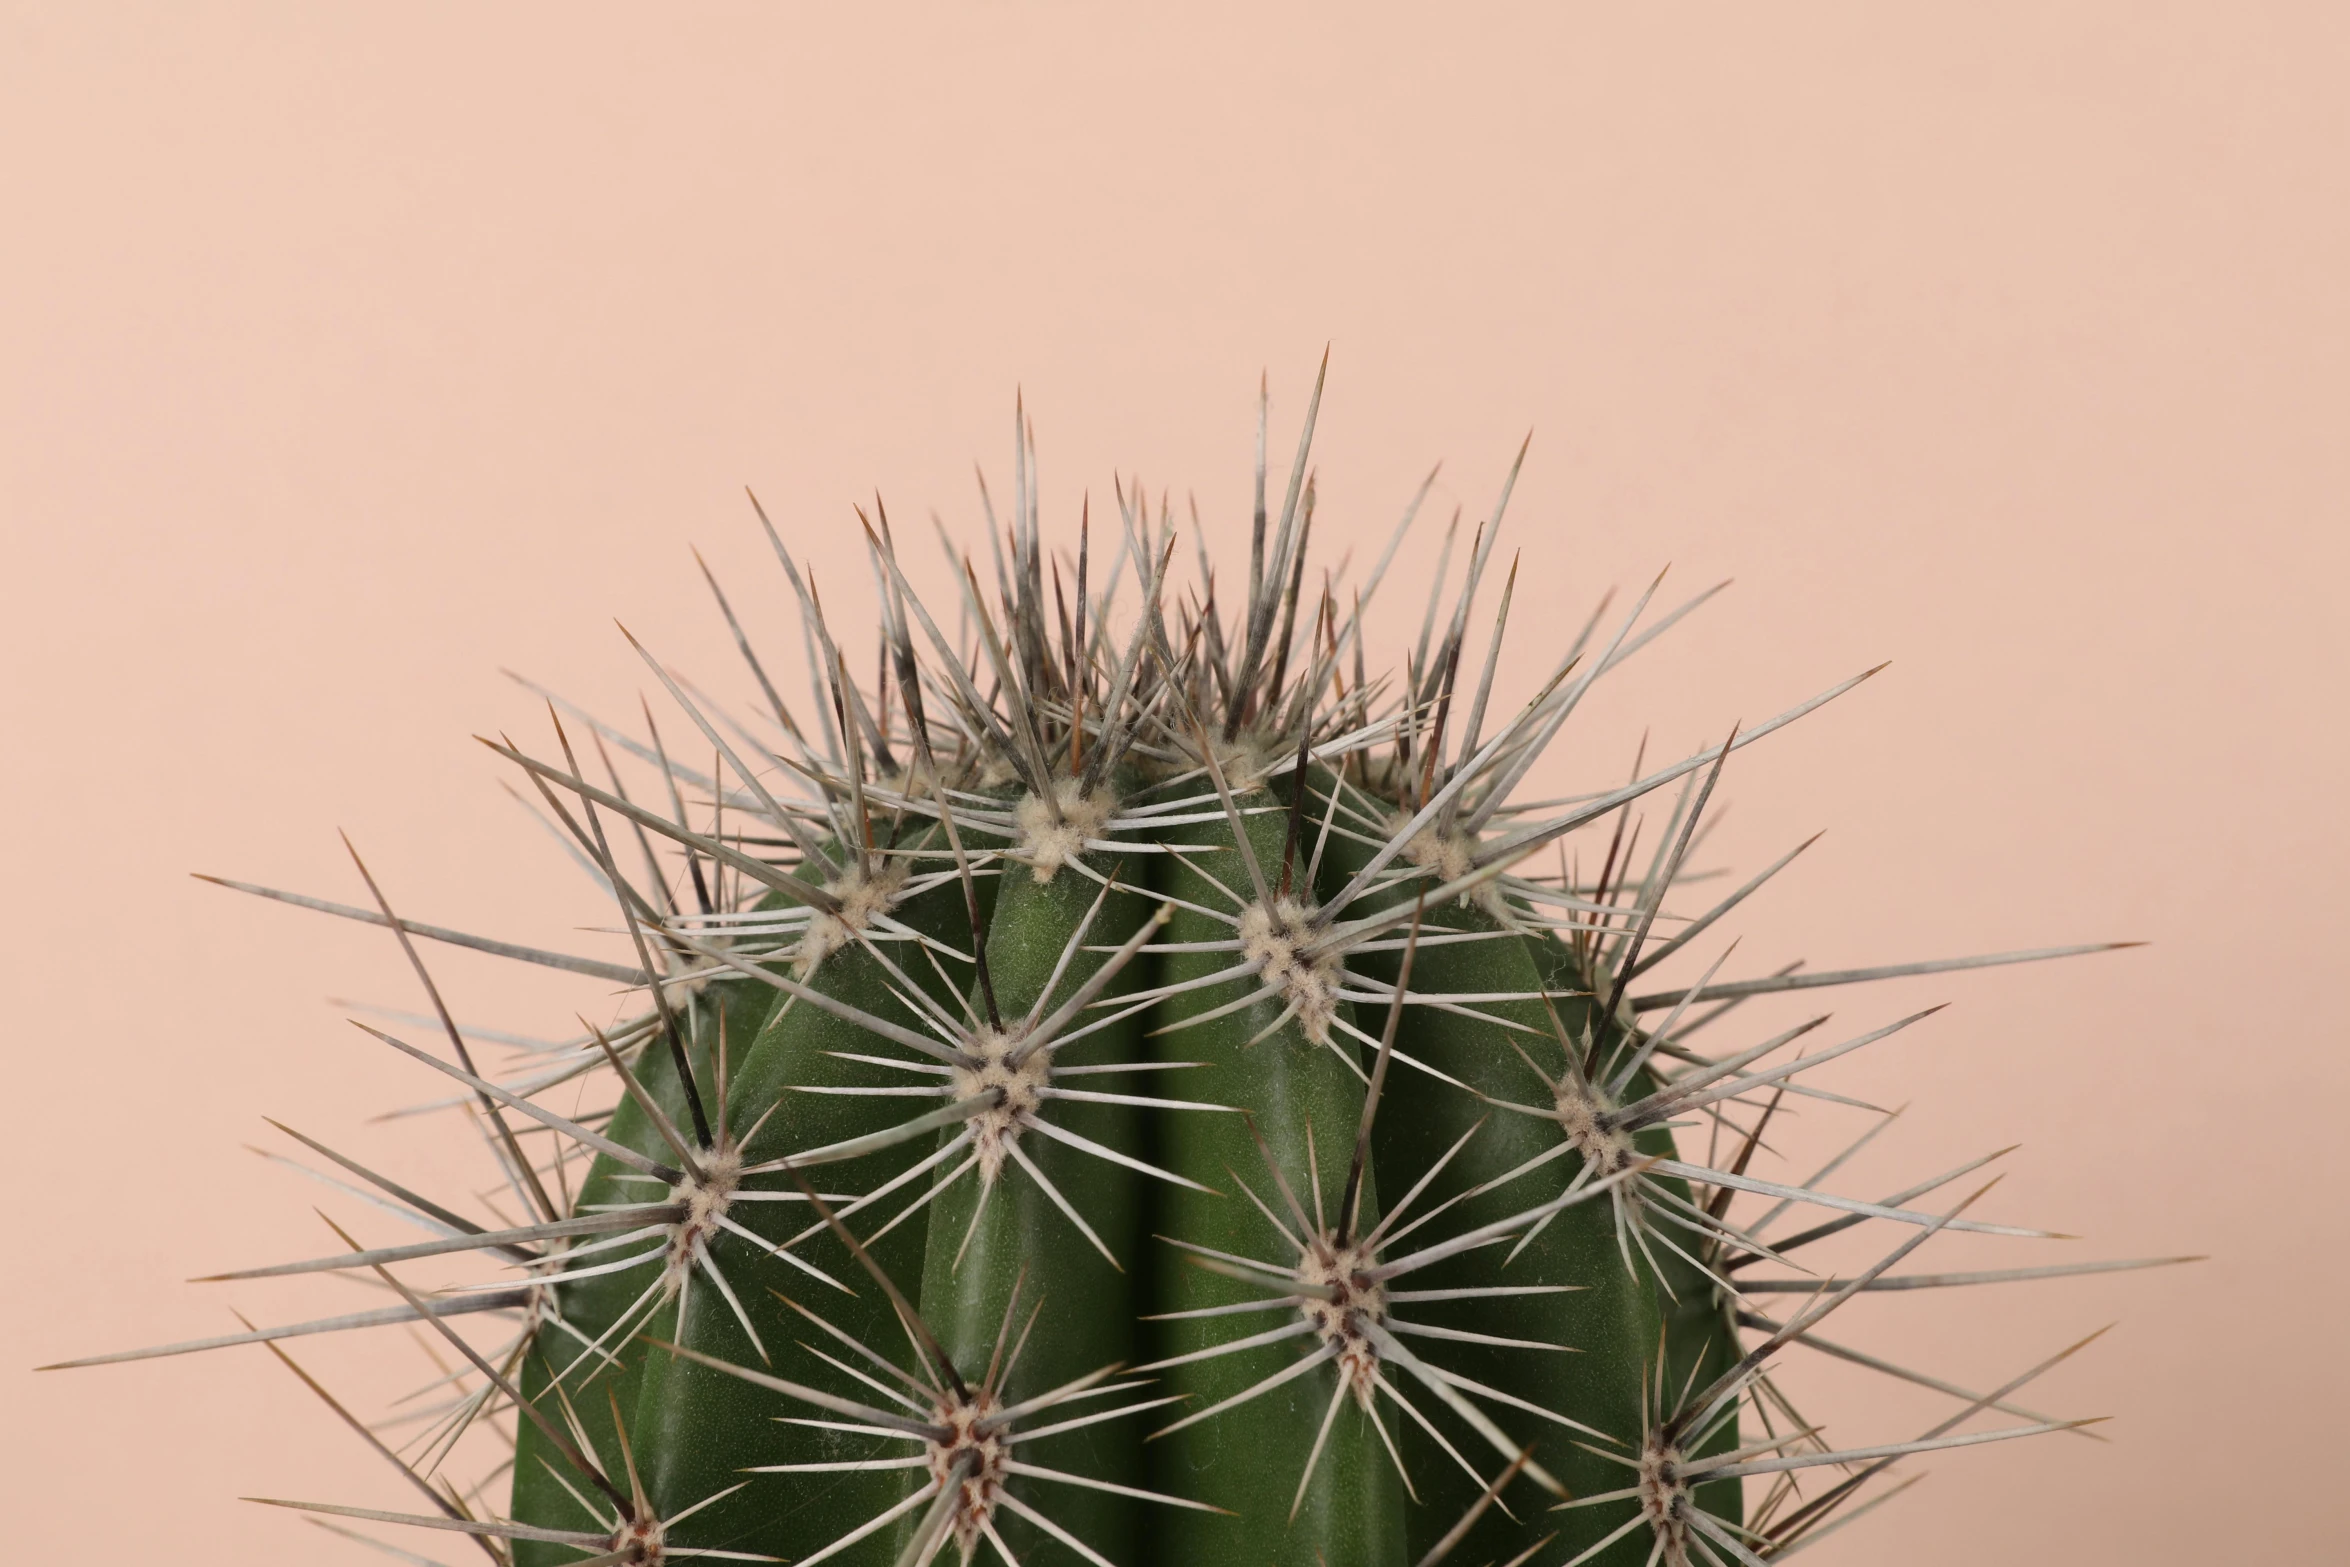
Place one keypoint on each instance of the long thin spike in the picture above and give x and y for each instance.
(519, 1169)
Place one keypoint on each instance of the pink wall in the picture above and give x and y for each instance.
(342, 362)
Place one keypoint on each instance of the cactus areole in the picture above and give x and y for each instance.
(1105, 1076)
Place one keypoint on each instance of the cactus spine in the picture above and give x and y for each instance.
(1133, 1088)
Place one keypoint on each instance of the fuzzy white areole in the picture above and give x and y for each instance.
(1279, 942)
(1344, 1300)
(1055, 834)
(1014, 1083)
(863, 896)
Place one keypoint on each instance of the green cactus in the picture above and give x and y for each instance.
(1133, 1088)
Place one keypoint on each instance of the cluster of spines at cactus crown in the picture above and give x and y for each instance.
(1125, 902)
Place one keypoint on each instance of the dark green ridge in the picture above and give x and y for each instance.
(1699, 1322)
(1249, 1459)
(696, 1429)
(1610, 1322)
(1088, 1307)
(592, 1305)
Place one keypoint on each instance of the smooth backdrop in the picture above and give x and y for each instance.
(348, 354)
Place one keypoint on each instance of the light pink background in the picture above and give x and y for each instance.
(348, 354)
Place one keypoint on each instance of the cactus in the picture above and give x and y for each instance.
(1133, 1088)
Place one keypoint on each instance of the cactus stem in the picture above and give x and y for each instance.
(865, 841)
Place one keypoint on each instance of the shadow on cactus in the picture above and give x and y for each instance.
(1130, 1085)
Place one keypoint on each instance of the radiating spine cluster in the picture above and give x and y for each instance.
(1158, 1095)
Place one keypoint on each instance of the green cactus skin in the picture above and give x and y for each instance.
(591, 1306)
(1610, 1321)
(1022, 1240)
(1700, 1335)
(697, 1429)
(1364, 998)
(1612, 1318)
(1250, 1459)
